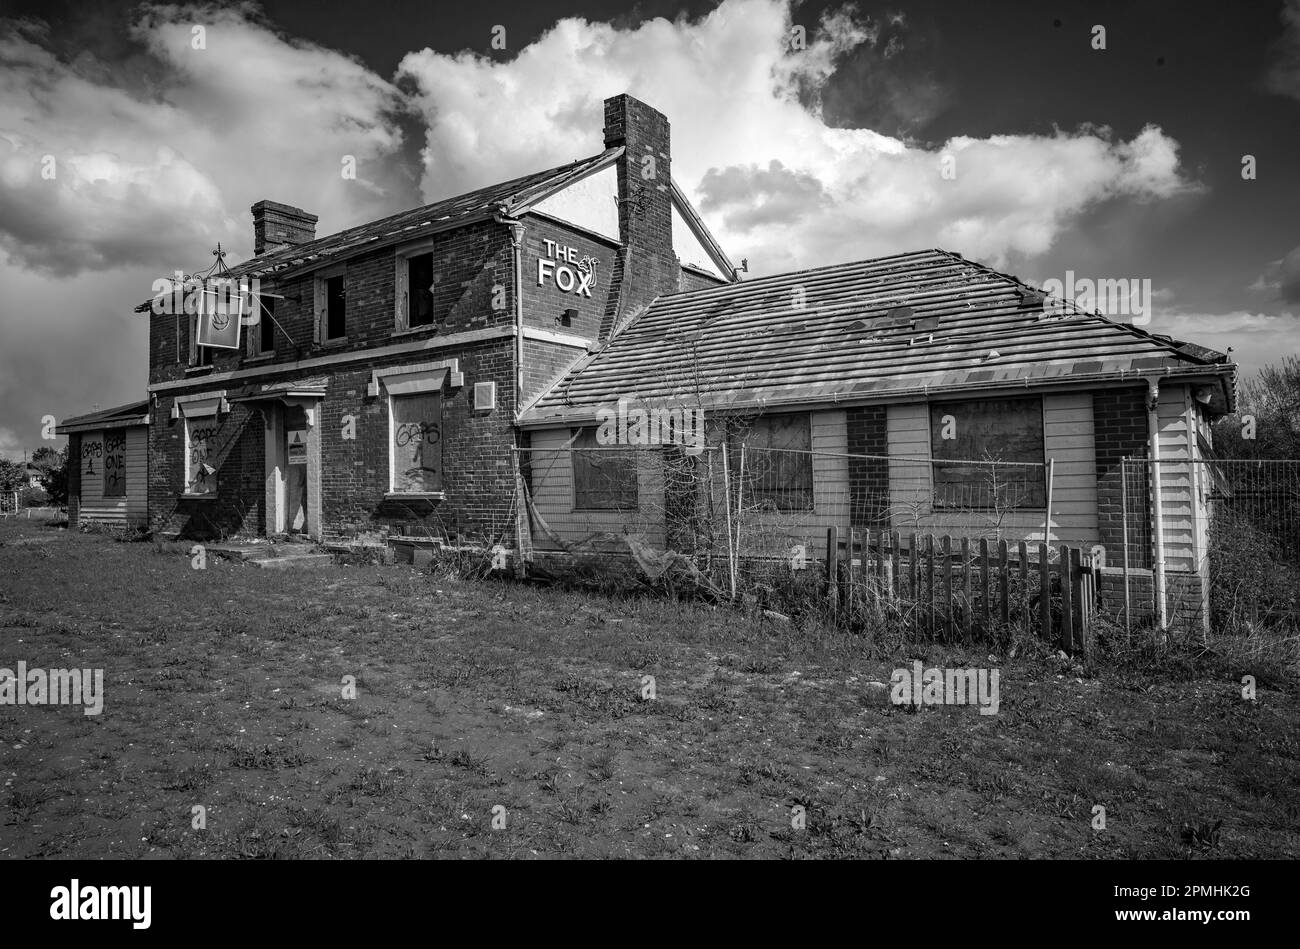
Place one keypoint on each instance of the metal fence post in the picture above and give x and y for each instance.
(1123, 505)
(1047, 518)
(726, 507)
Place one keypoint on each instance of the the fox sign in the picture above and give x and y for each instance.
(579, 279)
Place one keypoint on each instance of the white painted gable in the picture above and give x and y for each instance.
(591, 202)
(688, 248)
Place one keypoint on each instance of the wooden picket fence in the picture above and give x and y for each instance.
(960, 586)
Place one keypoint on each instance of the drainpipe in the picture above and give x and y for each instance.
(1157, 499)
(517, 247)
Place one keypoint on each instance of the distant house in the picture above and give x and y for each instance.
(108, 466)
(34, 476)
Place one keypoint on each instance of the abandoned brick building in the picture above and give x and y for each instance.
(385, 382)
(400, 364)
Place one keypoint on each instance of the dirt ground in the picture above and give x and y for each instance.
(481, 703)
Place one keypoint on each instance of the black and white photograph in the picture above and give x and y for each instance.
(775, 431)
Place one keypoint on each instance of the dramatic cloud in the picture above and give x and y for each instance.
(783, 187)
(1284, 76)
(1281, 278)
(95, 175)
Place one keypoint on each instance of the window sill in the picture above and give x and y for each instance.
(333, 343)
(197, 370)
(412, 331)
(196, 497)
(421, 496)
(260, 357)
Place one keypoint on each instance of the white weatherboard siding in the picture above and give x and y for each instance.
(1177, 436)
(761, 532)
(553, 497)
(1067, 438)
(131, 510)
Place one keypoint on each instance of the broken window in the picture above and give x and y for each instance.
(200, 468)
(335, 308)
(266, 325)
(419, 289)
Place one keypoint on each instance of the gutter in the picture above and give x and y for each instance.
(887, 396)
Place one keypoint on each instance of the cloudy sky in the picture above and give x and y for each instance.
(131, 143)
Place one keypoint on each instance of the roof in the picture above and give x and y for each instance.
(918, 323)
(507, 197)
(122, 416)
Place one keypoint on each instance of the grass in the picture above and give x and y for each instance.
(224, 688)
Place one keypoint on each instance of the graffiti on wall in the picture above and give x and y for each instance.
(115, 464)
(200, 475)
(417, 443)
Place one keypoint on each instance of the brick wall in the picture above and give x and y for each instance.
(868, 434)
(645, 205)
(237, 450)
(545, 302)
(692, 280)
(1120, 428)
(74, 481)
(477, 465)
(544, 364)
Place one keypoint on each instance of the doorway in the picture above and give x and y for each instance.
(295, 471)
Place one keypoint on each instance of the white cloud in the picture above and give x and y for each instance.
(730, 85)
(146, 175)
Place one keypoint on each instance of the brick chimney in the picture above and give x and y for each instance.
(278, 225)
(646, 265)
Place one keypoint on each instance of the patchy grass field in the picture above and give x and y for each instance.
(223, 689)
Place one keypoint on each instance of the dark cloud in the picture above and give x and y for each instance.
(751, 196)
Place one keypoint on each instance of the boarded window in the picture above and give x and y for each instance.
(200, 455)
(419, 283)
(604, 479)
(417, 443)
(115, 464)
(778, 464)
(335, 308)
(965, 436)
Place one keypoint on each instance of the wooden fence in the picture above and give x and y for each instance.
(959, 586)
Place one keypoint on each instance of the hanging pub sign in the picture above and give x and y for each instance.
(566, 269)
(220, 311)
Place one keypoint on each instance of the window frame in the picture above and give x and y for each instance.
(393, 492)
(576, 451)
(320, 304)
(115, 434)
(733, 440)
(402, 286)
(1037, 504)
(186, 421)
(201, 357)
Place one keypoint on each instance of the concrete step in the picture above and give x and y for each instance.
(289, 561)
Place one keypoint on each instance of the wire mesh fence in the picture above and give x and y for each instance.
(882, 542)
(742, 508)
(1233, 522)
